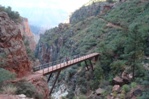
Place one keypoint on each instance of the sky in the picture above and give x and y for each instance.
(44, 12)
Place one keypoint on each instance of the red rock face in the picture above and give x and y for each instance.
(13, 55)
(25, 31)
(29, 34)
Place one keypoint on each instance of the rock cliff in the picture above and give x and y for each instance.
(26, 31)
(13, 52)
(13, 56)
(50, 52)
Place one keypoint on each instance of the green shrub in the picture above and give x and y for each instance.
(5, 75)
(24, 87)
(2, 63)
(118, 66)
(126, 88)
(145, 83)
(108, 89)
(83, 89)
(70, 95)
(94, 84)
(9, 89)
(122, 96)
(3, 55)
(82, 97)
(145, 94)
(12, 14)
(98, 73)
(133, 85)
(115, 94)
(82, 81)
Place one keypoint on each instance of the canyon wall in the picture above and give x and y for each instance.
(27, 33)
(13, 56)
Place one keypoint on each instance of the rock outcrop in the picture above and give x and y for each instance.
(46, 53)
(118, 80)
(26, 31)
(99, 91)
(13, 56)
(50, 51)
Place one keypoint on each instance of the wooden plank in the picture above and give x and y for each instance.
(64, 65)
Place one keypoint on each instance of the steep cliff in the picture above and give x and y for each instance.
(25, 31)
(49, 51)
(13, 56)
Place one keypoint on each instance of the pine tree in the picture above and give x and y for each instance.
(134, 47)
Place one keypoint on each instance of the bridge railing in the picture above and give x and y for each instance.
(60, 63)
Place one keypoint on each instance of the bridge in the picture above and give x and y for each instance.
(50, 68)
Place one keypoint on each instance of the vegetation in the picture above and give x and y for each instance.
(9, 89)
(5, 75)
(7, 83)
(121, 36)
(85, 11)
(24, 87)
(28, 49)
(14, 15)
(110, 1)
(122, 44)
(20, 87)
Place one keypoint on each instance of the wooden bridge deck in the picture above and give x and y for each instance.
(63, 65)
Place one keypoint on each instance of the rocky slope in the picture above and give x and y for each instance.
(13, 56)
(120, 35)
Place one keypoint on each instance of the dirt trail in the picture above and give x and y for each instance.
(110, 24)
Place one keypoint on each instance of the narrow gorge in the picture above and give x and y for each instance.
(101, 53)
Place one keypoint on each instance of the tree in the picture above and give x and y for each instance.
(134, 47)
(12, 14)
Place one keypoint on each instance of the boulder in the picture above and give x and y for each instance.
(116, 88)
(118, 81)
(22, 96)
(125, 76)
(99, 91)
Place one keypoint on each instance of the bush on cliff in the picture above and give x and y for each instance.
(14, 15)
(5, 75)
(24, 87)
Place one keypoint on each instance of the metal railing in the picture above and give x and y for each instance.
(61, 63)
